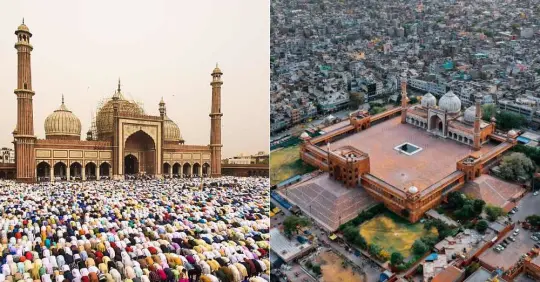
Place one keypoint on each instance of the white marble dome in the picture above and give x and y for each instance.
(62, 123)
(450, 102)
(470, 114)
(171, 131)
(413, 189)
(429, 101)
(304, 136)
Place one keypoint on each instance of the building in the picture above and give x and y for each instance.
(288, 250)
(259, 158)
(428, 86)
(8, 156)
(245, 166)
(124, 140)
(482, 274)
(410, 162)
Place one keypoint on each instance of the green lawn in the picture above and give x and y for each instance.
(392, 233)
(286, 163)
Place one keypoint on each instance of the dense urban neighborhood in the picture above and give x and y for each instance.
(405, 140)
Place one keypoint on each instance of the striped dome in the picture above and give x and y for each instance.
(62, 122)
(450, 103)
(171, 131)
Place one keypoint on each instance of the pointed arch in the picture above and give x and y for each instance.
(186, 169)
(60, 171)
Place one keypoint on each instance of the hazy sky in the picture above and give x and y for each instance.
(157, 48)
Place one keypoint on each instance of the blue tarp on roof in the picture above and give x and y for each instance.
(523, 140)
(432, 257)
(280, 200)
(290, 181)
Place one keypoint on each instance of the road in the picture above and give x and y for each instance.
(528, 205)
(371, 269)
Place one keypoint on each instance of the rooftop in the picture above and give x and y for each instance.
(468, 241)
(437, 159)
(482, 275)
(287, 249)
(449, 274)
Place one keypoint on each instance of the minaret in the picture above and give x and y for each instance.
(162, 114)
(215, 123)
(478, 115)
(24, 138)
(404, 100)
(116, 141)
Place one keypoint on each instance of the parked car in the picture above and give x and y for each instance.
(536, 193)
(511, 238)
(534, 238)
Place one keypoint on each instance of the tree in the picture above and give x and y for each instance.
(292, 223)
(493, 212)
(515, 166)
(456, 200)
(376, 110)
(534, 220)
(478, 206)
(532, 152)
(396, 258)
(430, 240)
(356, 100)
(350, 233)
(509, 120)
(375, 249)
(316, 269)
(419, 247)
(384, 255)
(360, 241)
(482, 226)
(465, 212)
(488, 110)
(413, 100)
(471, 268)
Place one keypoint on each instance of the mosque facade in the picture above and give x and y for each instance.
(124, 141)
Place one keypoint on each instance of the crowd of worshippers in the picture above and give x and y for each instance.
(175, 230)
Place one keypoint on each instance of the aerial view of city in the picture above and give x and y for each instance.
(405, 140)
(96, 186)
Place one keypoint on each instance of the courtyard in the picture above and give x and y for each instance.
(393, 233)
(286, 163)
(434, 159)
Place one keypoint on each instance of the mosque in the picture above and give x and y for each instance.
(123, 141)
(409, 157)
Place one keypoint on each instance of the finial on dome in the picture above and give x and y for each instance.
(23, 20)
(62, 99)
(161, 102)
(118, 84)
